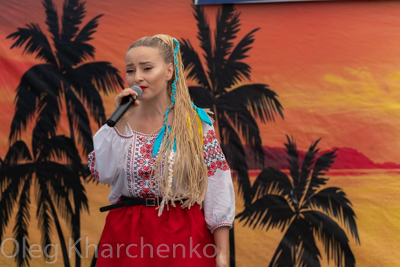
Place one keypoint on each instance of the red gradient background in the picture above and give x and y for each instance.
(335, 66)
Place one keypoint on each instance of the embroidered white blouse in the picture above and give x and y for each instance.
(124, 161)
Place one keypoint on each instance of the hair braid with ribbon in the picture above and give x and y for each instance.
(179, 166)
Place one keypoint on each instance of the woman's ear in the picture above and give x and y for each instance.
(170, 71)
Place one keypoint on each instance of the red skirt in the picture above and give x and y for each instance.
(137, 236)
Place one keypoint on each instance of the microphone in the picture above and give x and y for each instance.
(123, 106)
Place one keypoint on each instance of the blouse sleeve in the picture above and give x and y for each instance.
(106, 161)
(219, 202)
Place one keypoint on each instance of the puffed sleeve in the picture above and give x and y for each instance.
(219, 202)
(107, 159)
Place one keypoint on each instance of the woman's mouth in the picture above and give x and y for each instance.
(143, 88)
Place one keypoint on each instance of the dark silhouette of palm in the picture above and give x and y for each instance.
(64, 77)
(307, 212)
(236, 106)
(53, 184)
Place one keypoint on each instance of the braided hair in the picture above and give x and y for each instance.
(178, 148)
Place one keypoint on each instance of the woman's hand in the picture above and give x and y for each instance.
(117, 101)
(124, 93)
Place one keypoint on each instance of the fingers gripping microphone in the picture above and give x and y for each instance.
(123, 106)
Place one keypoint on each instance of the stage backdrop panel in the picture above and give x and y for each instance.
(306, 100)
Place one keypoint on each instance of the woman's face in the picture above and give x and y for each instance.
(146, 69)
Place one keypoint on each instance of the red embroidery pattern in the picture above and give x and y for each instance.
(91, 163)
(139, 167)
(213, 156)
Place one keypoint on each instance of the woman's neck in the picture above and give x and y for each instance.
(149, 117)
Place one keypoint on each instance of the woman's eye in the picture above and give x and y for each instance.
(148, 68)
(129, 71)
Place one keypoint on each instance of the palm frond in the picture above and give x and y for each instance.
(64, 250)
(322, 164)
(85, 34)
(22, 219)
(80, 203)
(226, 29)
(80, 50)
(193, 65)
(40, 81)
(269, 211)
(293, 159)
(52, 19)
(244, 122)
(201, 97)
(61, 196)
(98, 76)
(58, 148)
(333, 238)
(334, 202)
(61, 188)
(46, 122)
(269, 180)
(204, 36)
(9, 195)
(73, 13)
(227, 26)
(89, 79)
(236, 71)
(306, 168)
(43, 212)
(80, 121)
(257, 98)
(17, 151)
(73, 184)
(36, 42)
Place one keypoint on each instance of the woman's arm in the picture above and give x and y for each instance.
(107, 159)
(221, 238)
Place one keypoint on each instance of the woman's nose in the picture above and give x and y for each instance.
(138, 76)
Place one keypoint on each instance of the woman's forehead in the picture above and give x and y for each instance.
(142, 54)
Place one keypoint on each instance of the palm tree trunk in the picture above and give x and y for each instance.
(94, 260)
(76, 224)
(76, 221)
(60, 236)
(232, 256)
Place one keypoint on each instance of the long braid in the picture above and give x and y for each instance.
(183, 140)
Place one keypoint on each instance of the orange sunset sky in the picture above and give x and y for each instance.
(334, 65)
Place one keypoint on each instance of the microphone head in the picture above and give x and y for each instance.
(138, 90)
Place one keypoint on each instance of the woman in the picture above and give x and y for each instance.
(172, 194)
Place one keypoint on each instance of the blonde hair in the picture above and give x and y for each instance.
(186, 165)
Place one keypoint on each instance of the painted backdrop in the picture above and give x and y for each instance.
(306, 99)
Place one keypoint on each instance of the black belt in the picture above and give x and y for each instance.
(128, 201)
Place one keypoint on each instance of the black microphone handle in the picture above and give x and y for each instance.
(124, 106)
(120, 110)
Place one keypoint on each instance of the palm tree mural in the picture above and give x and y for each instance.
(236, 105)
(307, 211)
(53, 184)
(64, 80)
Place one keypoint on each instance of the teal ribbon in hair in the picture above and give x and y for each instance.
(176, 71)
(165, 129)
(202, 114)
(157, 142)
